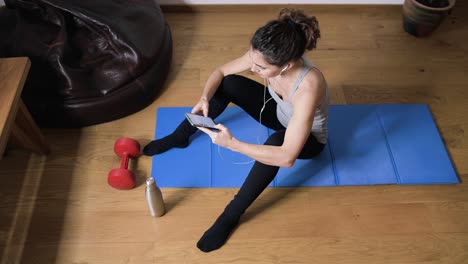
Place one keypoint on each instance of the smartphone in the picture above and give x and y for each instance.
(201, 121)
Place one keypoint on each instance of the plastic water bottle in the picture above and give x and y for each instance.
(154, 198)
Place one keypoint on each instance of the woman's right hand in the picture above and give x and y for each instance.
(201, 107)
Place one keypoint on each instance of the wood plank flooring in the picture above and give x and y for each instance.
(59, 209)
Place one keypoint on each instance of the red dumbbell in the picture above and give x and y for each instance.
(122, 178)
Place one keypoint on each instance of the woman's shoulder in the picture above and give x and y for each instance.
(313, 79)
(313, 85)
(314, 74)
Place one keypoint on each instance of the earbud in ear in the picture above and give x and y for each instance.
(285, 68)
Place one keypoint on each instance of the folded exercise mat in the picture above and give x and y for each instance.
(367, 145)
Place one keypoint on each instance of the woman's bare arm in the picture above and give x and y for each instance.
(305, 101)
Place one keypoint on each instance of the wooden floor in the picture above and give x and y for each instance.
(59, 209)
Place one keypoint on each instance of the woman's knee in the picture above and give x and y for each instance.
(233, 78)
(228, 83)
(232, 81)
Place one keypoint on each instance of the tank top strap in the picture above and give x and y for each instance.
(304, 70)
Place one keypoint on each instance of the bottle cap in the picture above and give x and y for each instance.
(149, 181)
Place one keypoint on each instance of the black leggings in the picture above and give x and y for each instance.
(249, 95)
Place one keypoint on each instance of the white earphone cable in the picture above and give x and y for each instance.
(258, 128)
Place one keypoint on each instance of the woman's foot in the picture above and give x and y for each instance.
(218, 233)
(159, 146)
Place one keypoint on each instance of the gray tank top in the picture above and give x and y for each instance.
(284, 110)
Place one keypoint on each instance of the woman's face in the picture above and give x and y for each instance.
(261, 66)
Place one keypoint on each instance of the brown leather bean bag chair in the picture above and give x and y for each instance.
(92, 61)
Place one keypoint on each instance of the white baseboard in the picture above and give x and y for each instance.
(273, 2)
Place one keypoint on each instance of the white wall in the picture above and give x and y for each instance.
(229, 2)
(217, 2)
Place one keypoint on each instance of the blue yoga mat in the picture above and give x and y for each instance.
(367, 145)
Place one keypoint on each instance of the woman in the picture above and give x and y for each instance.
(298, 112)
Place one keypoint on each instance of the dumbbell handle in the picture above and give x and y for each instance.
(124, 163)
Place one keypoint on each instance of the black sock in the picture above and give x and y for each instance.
(178, 139)
(218, 233)
(258, 179)
(164, 144)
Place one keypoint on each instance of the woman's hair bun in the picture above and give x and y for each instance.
(308, 24)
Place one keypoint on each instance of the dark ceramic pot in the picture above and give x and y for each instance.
(420, 20)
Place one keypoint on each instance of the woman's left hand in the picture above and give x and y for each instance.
(223, 137)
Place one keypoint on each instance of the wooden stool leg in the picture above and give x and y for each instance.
(26, 133)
